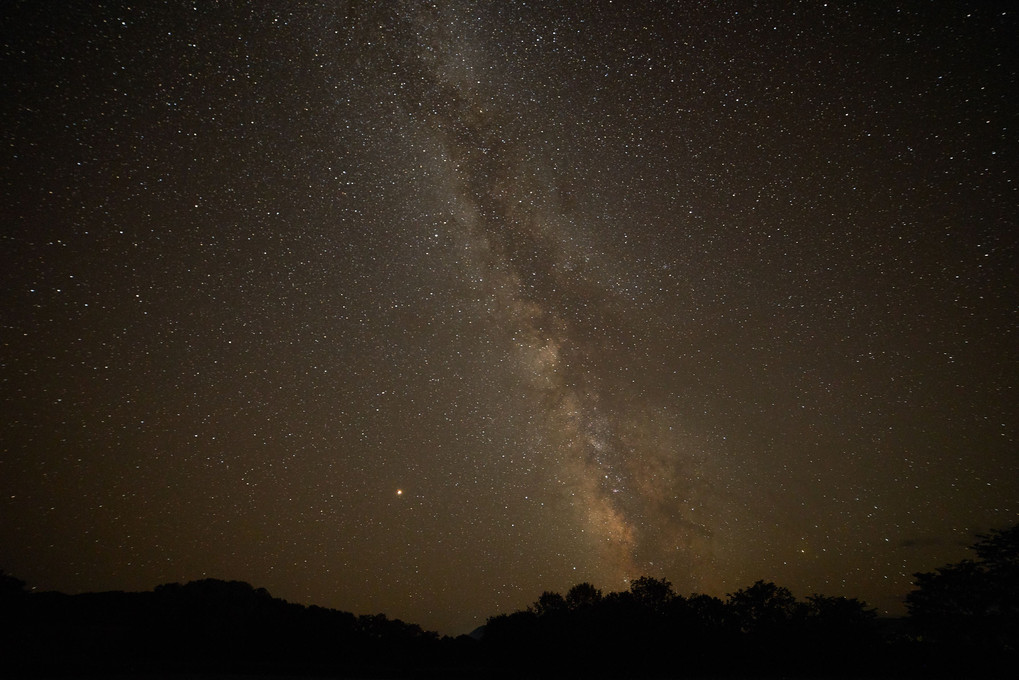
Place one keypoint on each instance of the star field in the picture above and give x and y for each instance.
(425, 308)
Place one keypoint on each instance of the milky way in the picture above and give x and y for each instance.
(426, 308)
(550, 296)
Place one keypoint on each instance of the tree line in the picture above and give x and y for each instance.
(963, 621)
(649, 630)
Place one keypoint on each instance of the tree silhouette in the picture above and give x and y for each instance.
(838, 614)
(549, 604)
(762, 607)
(763, 615)
(710, 613)
(652, 594)
(837, 632)
(973, 604)
(582, 595)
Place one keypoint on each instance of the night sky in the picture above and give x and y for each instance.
(425, 308)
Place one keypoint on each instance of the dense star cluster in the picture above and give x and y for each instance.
(427, 307)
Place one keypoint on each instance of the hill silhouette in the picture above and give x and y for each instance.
(963, 622)
(203, 626)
